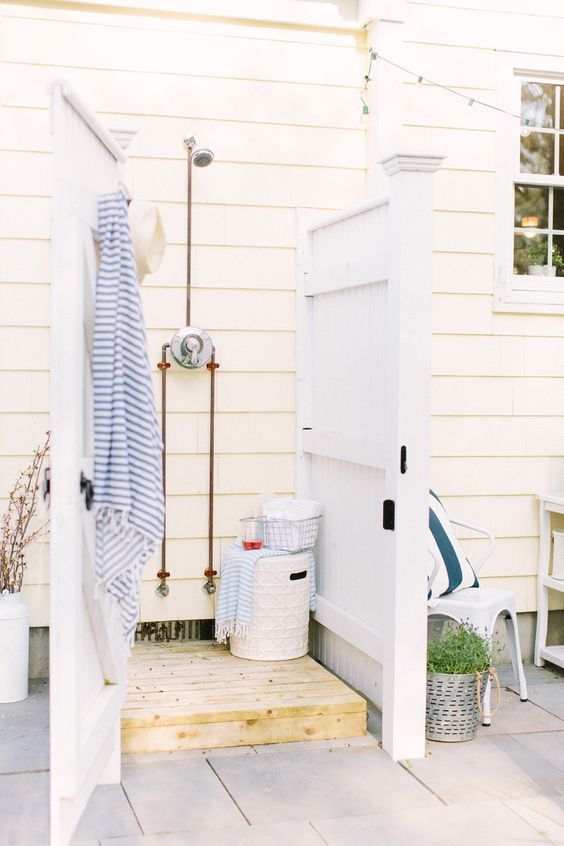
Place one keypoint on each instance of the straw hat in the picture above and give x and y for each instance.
(147, 234)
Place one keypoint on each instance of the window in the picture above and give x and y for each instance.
(538, 244)
(530, 173)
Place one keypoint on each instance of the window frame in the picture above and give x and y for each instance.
(520, 293)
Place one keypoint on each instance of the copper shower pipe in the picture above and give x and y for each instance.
(163, 365)
(163, 574)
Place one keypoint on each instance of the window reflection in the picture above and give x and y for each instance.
(537, 153)
(531, 207)
(537, 103)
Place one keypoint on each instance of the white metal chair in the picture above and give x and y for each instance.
(480, 607)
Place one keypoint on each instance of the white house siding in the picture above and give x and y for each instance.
(279, 105)
(498, 388)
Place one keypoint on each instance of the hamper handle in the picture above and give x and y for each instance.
(295, 576)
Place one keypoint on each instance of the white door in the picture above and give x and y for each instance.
(87, 653)
(364, 336)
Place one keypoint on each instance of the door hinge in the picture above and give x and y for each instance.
(389, 515)
(46, 487)
(403, 459)
(87, 488)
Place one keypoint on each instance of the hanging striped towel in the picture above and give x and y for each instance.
(128, 490)
(235, 604)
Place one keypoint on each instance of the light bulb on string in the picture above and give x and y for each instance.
(526, 130)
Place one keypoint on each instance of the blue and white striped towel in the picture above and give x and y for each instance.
(235, 604)
(128, 490)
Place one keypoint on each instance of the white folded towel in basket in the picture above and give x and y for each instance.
(287, 508)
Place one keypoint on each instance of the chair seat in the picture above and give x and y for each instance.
(484, 597)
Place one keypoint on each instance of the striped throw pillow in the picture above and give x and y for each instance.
(455, 571)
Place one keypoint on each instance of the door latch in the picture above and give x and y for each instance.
(389, 515)
(87, 488)
(403, 460)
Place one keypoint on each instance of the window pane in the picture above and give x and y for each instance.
(558, 254)
(531, 207)
(561, 167)
(530, 254)
(537, 103)
(558, 212)
(537, 153)
(561, 124)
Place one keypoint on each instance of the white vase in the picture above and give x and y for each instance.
(14, 648)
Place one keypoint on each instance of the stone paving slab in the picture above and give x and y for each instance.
(319, 783)
(496, 767)
(481, 824)
(292, 833)
(548, 696)
(171, 796)
(516, 717)
(24, 731)
(24, 809)
(108, 814)
(545, 813)
(549, 745)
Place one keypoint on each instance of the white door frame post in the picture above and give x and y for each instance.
(408, 407)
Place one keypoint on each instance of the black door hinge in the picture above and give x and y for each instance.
(403, 459)
(389, 516)
(87, 488)
(46, 487)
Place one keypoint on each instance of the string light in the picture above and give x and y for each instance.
(470, 101)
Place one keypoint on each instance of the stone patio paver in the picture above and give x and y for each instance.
(549, 697)
(545, 813)
(108, 814)
(482, 824)
(549, 745)
(291, 833)
(24, 809)
(312, 784)
(24, 731)
(495, 767)
(170, 796)
(516, 717)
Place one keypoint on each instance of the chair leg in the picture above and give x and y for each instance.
(487, 720)
(515, 651)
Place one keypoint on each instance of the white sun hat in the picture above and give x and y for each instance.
(147, 234)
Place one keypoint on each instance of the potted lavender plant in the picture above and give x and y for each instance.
(19, 530)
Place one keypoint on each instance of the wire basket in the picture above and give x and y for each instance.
(274, 533)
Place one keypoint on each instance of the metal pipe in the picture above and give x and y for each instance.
(190, 144)
(210, 586)
(162, 589)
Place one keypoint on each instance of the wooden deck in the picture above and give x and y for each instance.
(197, 697)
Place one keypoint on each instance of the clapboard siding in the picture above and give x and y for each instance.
(279, 107)
(498, 387)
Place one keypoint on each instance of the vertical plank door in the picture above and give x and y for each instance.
(364, 343)
(87, 654)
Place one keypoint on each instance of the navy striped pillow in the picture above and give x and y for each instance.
(455, 571)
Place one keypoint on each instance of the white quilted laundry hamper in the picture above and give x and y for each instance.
(279, 626)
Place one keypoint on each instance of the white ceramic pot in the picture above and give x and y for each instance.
(14, 648)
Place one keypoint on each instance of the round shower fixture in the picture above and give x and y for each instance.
(202, 157)
(199, 156)
(191, 347)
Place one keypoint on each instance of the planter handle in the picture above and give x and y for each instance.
(492, 676)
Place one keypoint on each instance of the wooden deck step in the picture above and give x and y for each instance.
(184, 696)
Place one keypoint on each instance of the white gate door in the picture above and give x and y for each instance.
(87, 653)
(364, 338)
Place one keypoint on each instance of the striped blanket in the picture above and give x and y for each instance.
(128, 492)
(235, 604)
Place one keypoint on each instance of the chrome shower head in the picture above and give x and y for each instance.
(202, 157)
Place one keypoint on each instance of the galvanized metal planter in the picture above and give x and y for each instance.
(452, 706)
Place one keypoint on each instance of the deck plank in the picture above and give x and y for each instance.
(184, 696)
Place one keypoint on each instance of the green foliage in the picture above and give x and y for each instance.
(537, 253)
(459, 649)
